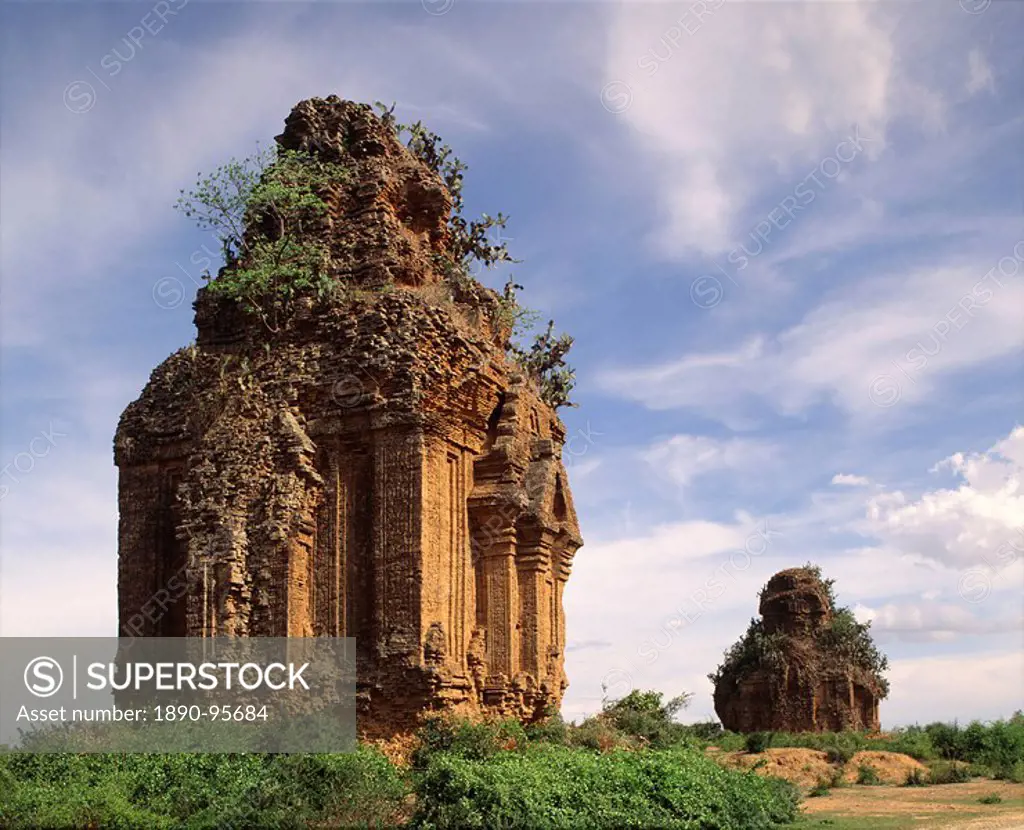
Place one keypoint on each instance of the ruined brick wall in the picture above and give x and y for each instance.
(378, 469)
(806, 691)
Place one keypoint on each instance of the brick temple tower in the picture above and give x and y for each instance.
(794, 675)
(377, 468)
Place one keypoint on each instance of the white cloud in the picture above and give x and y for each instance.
(979, 75)
(684, 458)
(979, 522)
(954, 687)
(58, 546)
(847, 480)
(799, 77)
(660, 568)
(885, 341)
(71, 198)
(933, 621)
(72, 211)
(668, 600)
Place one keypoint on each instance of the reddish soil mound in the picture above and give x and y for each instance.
(802, 767)
(805, 767)
(890, 767)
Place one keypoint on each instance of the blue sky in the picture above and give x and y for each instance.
(787, 237)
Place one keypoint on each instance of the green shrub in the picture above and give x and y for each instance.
(731, 741)
(839, 754)
(552, 786)
(912, 740)
(758, 741)
(474, 741)
(647, 716)
(360, 789)
(991, 798)
(947, 740)
(597, 734)
(200, 791)
(997, 745)
(1011, 772)
(1002, 744)
(709, 731)
(819, 789)
(553, 730)
(949, 772)
(268, 212)
(916, 778)
(867, 774)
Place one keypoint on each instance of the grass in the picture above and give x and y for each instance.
(841, 822)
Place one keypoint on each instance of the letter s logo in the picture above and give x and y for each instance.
(43, 676)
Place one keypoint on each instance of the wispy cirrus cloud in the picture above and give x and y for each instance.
(800, 76)
(870, 345)
(685, 458)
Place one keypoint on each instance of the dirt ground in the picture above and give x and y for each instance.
(887, 806)
(940, 807)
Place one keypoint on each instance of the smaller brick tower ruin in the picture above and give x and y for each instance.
(792, 672)
(376, 468)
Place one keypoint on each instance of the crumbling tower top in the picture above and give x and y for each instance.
(795, 602)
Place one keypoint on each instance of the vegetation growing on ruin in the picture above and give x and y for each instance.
(470, 246)
(266, 211)
(755, 649)
(844, 640)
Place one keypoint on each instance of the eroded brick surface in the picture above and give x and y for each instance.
(377, 469)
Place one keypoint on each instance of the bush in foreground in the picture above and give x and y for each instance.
(467, 784)
(558, 787)
(200, 791)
